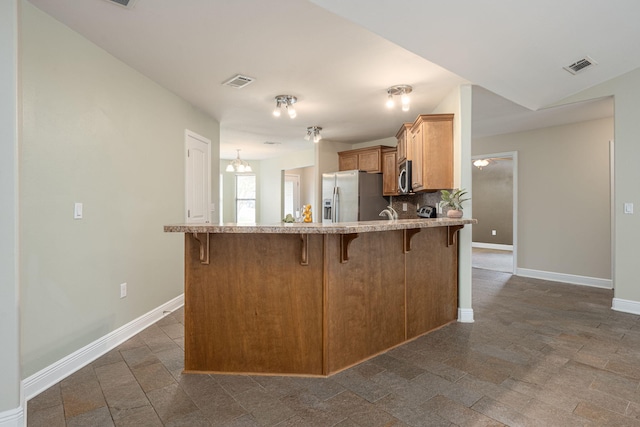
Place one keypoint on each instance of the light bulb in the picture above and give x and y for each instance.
(241, 168)
(317, 137)
(405, 99)
(292, 112)
(229, 168)
(390, 103)
(248, 168)
(276, 112)
(405, 107)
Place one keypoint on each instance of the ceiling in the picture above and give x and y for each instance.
(339, 67)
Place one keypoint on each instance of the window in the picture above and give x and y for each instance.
(245, 198)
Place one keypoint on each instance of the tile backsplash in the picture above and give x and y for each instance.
(413, 201)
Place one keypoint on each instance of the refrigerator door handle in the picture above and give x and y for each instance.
(334, 203)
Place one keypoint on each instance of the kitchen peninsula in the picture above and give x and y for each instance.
(313, 299)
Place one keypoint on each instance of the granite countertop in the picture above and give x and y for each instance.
(319, 228)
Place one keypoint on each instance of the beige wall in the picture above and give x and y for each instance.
(100, 133)
(307, 184)
(9, 276)
(390, 142)
(626, 92)
(563, 196)
(270, 182)
(492, 201)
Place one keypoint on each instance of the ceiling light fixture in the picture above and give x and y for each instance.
(480, 163)
(287, 102)
(399, 90)
(313, 132)
(237, 165)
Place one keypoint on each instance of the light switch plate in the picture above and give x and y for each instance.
(77, 211)
(628, 208)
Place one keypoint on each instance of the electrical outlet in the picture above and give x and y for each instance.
(404, 207)
(494, 232)
(123, 290)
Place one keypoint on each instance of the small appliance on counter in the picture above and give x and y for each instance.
(427, 212)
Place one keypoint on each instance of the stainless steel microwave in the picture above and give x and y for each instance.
(404, 177)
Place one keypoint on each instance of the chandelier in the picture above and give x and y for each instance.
(237, 165)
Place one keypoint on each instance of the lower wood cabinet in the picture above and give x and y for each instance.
(254, 307)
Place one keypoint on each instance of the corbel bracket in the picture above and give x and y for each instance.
(452, 233)
(203, 239)
(408, 235)
(345, 241)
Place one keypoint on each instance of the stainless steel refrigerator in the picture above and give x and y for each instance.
(352, 196)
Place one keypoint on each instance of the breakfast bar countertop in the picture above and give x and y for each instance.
(319, 228)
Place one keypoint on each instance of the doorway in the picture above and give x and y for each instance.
(495, 203)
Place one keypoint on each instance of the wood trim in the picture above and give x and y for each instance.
(345, 241)
(304, 256)
(325, 305)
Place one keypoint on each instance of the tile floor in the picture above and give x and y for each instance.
(492, 259)
(539, 354)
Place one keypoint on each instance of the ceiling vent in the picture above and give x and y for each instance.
(239, 81)
(580, 65)
(124, 3)
(272, 143)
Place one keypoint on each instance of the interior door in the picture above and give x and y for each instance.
(198, 160)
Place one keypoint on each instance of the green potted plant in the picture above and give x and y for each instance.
(453, 201)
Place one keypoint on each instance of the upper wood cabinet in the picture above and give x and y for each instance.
(389, 172)
(404, 150)
(367, 159)
(432, 152)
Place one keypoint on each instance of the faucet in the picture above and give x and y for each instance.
(390, 213)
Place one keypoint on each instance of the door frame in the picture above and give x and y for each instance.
(296, 192)
(514, 157)
(190, 134)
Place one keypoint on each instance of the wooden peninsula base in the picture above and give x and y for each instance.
(311, 299)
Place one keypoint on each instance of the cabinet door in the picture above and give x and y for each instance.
(370, 161)
(437, 154)
(402, 147)
(404, 143)
(347, 162)
(389, 173)
(417, 164)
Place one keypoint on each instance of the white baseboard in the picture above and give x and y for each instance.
(54, 373)
(13, 418)
(626, 306)
(492, 246)
(465, 315)
(565, 278)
